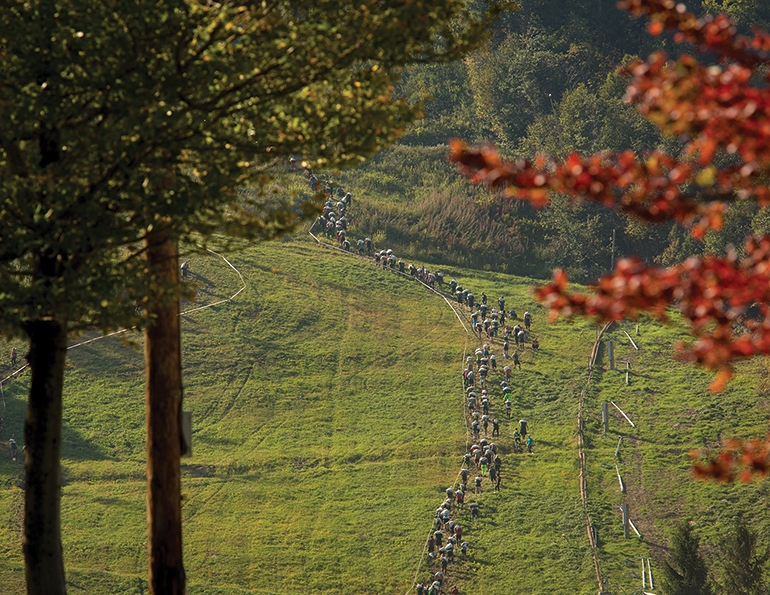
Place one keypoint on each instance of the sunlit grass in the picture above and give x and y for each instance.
(328, 420)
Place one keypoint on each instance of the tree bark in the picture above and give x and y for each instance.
(163, 402)
(44, 562)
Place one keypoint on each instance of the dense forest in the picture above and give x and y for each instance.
(547, 83)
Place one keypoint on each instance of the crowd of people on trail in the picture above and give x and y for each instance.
(482, 464)
(488, 320)
(334, 223)
(334, 220)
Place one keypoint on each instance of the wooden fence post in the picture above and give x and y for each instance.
(624, 510)
(605, 418)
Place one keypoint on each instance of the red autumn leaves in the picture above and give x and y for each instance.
(739, 459)
(712, 293)
(719, 107)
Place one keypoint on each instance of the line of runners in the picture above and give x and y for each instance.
(482, 461)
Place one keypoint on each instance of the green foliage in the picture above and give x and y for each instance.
(745, 12)
(685, 572)
(541, 48)
(119, 119)
(448, 110)
(590, 122)
(738, 224)
(743, 561)
(515, 81)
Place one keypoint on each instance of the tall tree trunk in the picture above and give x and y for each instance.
(163, 402)
(42, 437)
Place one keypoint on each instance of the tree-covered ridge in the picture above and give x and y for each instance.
(546, 83)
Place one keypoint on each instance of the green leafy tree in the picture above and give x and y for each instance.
(745, 12)
(521, 77)
(448, 102)
(127, 126)
(743, 562)
(685, 572)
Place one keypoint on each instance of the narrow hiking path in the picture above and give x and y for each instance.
(261, 453)
(461, 312)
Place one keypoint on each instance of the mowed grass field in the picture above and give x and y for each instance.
(328, 420)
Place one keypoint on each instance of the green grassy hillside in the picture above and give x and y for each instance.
(328, 421)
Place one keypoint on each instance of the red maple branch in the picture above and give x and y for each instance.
(738, 458)
(715, 33)
(712, 293)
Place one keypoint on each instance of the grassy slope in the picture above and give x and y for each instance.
(334, 491)
(277, 489)
(674, 412)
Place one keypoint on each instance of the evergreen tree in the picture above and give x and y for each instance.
(685, 572)
(743, 564)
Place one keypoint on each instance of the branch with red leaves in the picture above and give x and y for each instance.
(713, 106)
(712, 293)
(652, 189)
(739, 459)
(717, 107)
(710, 33)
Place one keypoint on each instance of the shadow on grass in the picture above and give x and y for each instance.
(74, 446)
(657, 546)
(216, 441)
(198, 277)
(199, 470)
(113, 502)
